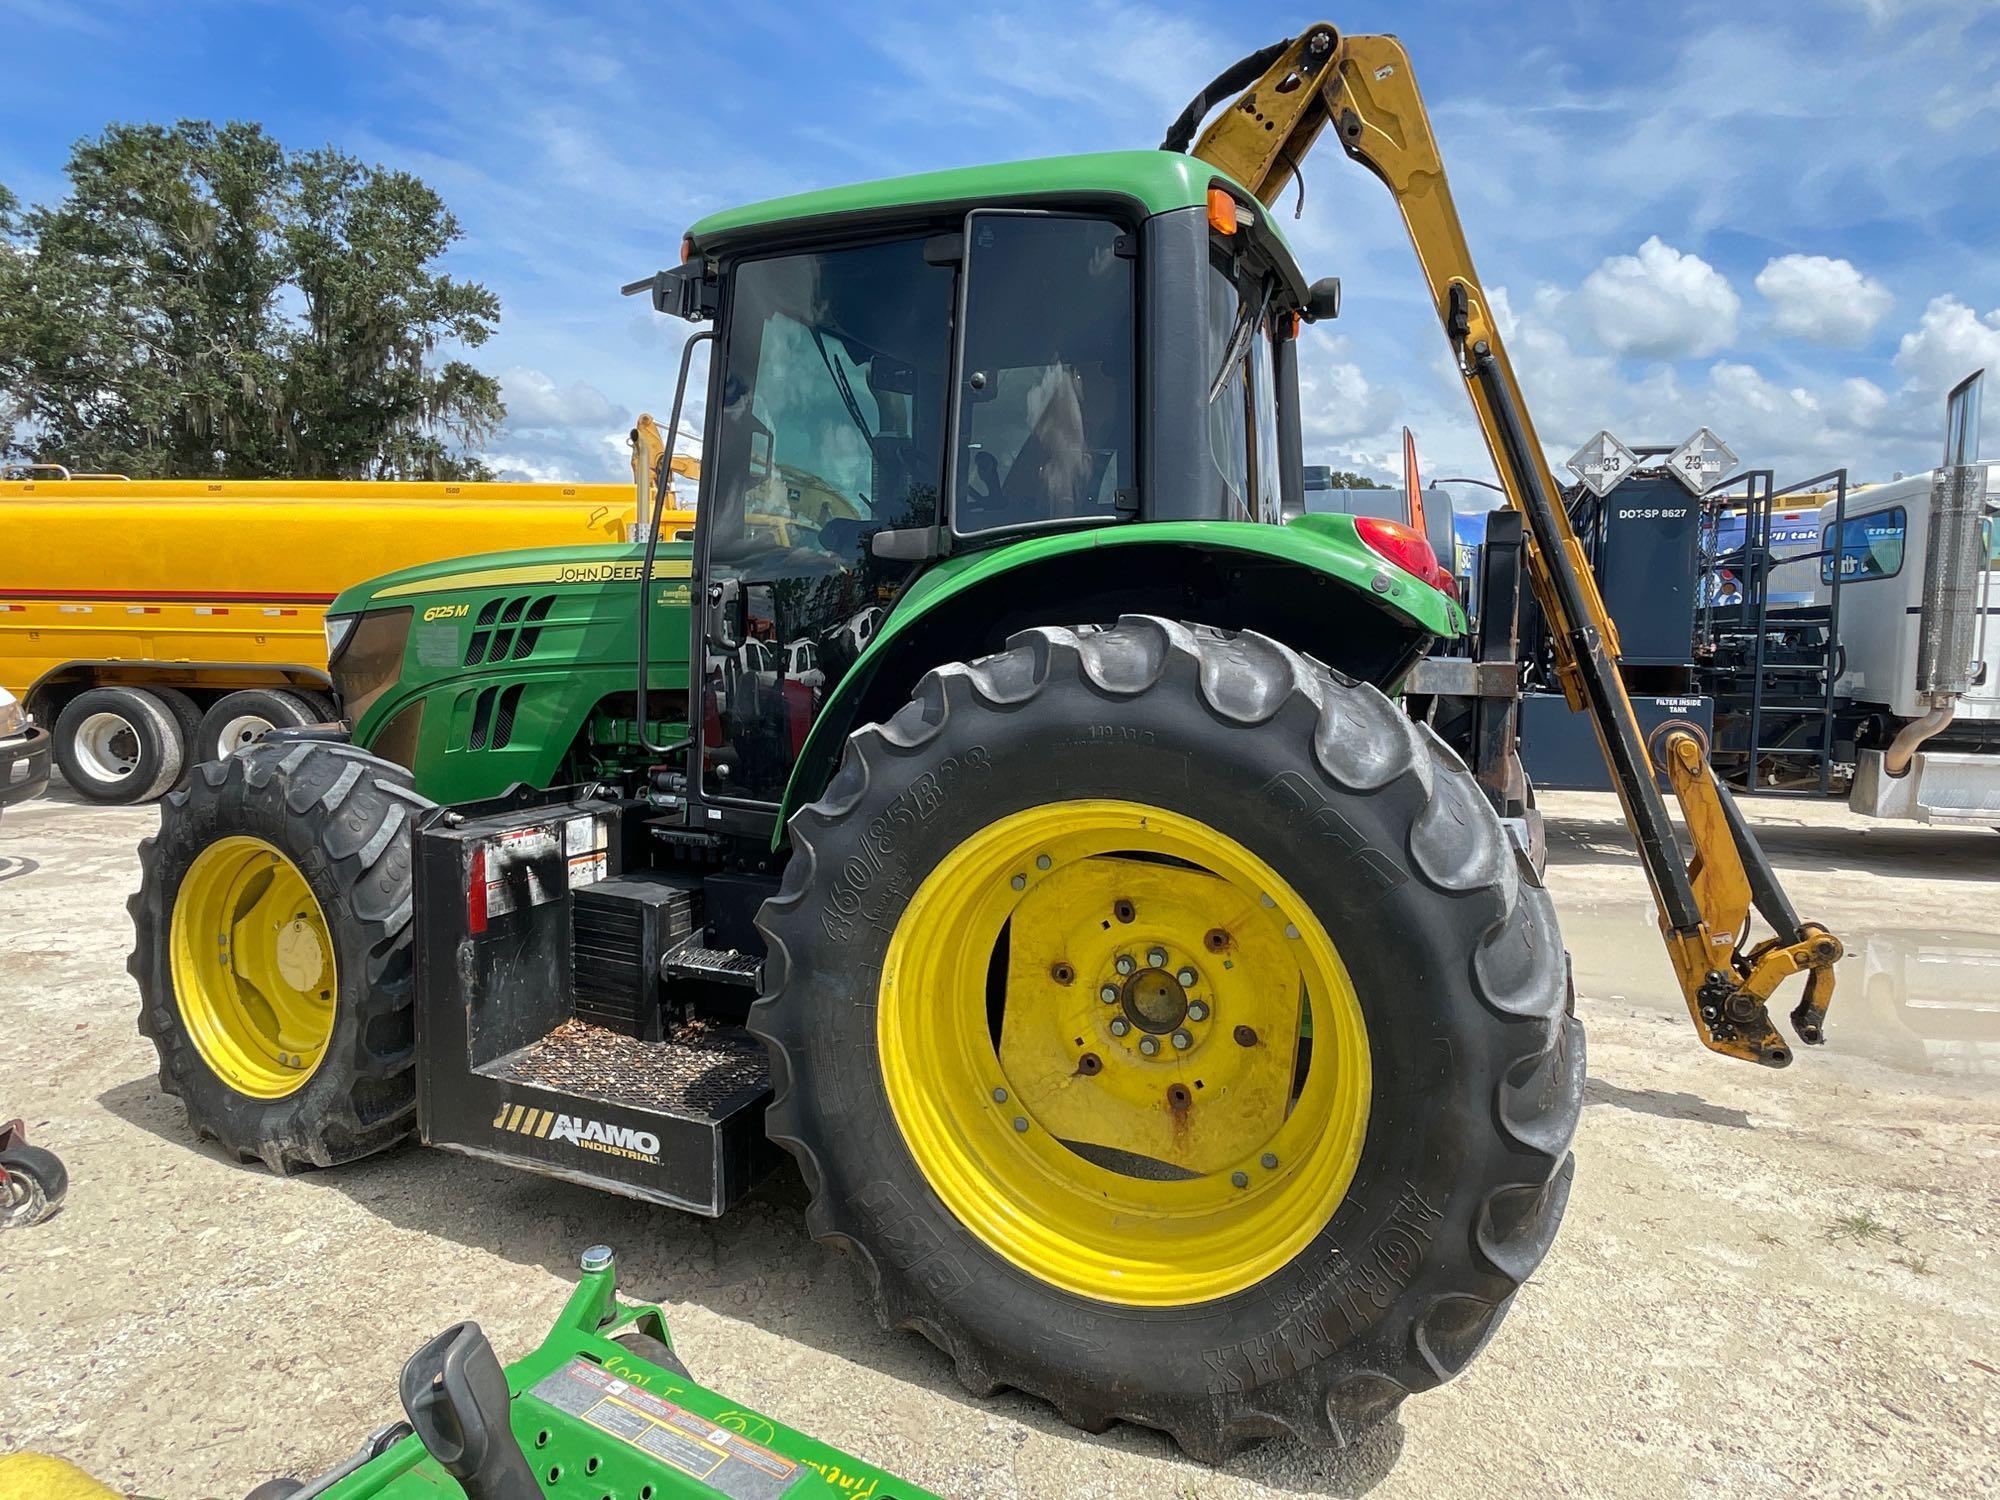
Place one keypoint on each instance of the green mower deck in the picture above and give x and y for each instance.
(598, 1421)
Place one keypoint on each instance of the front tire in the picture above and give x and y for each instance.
(1251, 1281)
(273, 952)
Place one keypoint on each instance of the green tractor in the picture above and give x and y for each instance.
(1003, 805)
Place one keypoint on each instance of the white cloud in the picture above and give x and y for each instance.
(1949, 342)
(1822, 300)
(1338, 402)
(535, 402)
(1660, 304)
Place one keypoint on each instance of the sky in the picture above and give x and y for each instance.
(1777, 220)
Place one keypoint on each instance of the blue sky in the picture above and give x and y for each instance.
(1774, 219)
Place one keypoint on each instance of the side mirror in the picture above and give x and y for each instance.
(911, 544)
(1322, 300)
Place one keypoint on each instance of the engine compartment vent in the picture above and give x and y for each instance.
(507, 629)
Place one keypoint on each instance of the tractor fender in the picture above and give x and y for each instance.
(1313, 584)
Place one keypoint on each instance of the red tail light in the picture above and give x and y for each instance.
(1408, 549)
(475, 891)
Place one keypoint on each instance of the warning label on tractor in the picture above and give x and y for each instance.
(587, 842)
(520, 868)
(727, 1462)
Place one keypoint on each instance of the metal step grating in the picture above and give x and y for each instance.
(702, 1070)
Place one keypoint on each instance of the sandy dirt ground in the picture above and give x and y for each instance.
(1768, 1283)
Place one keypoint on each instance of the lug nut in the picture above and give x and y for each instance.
(1239, 1179)
(1109, 994)
(1186, 977)
(1268, 1161)
(1041, 861)
(1182, 1041)
(1157, 957)
(1119, 1026)
(1149, 1045)
(1197, 1010)
(1019, 882)
(1021, 1124)
(1124, 964)
(999, 1096)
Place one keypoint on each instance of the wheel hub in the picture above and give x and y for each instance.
(1154, 1001)
(1090, 1106)
(253, 966)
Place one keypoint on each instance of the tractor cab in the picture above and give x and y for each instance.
(923, 370)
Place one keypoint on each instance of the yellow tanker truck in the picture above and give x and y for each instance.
(152, 625)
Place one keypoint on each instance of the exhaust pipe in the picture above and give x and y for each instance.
(1896, 759)
(1954, 562)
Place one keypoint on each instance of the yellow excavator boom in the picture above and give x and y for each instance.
(1362, 87)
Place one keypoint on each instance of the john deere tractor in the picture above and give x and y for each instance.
(1004, 806)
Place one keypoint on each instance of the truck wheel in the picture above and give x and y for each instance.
(187, 717)
(118, 744)
(272, 951)
(1167, 1025)
(238, 719)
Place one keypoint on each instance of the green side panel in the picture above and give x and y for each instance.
(595, 1420)
(503, 702)
(1327, 544)
(1157, 181)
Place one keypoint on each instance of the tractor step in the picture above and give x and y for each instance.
(677, 1121)
(543, 1038)
(703, 1072)
(718, 965)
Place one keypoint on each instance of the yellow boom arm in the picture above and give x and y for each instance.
(1363, 88)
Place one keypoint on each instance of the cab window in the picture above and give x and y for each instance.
(1240, 364)
(1046, 382)
(1870, 546)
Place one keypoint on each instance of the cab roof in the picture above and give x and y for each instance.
(1155, 181)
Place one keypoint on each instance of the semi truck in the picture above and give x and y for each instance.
(151, 625)
(1823, 638)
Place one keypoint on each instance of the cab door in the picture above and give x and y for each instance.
(831, 397)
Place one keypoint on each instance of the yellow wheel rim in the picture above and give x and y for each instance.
(1093, 1116)
(253, 967)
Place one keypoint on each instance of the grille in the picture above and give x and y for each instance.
(493, 715)
(507, 629)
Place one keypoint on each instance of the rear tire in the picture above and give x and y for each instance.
(118, 744)
(238, 719)
(340, 818)
(1473, 1067)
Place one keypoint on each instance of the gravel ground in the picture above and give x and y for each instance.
(1768, 1284)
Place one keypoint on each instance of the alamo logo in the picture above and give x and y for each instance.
(591, 1135)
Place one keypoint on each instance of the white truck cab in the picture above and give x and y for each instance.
(1889, 595)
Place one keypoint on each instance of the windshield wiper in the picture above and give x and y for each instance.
(840, 384)
(1247, 320)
